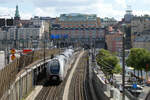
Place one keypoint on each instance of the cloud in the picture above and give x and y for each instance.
(47, 11)
(53, 8)
(6, 12)
(26, 15)
(63, 3)
(99, 7)
(122, 3)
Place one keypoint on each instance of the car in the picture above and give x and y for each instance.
(133, 90)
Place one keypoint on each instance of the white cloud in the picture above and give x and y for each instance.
(53, 8)
(100, 8)
(6, 12)
(26, 15)
(48, 11)
(122, 3)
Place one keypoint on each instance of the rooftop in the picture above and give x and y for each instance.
(77, 17)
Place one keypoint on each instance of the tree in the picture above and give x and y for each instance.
(138, 58)
(117, 69)
(108, 62)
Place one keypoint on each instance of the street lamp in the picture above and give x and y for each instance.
(123, 62)
(44, 47)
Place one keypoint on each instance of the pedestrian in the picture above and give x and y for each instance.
(111, 81)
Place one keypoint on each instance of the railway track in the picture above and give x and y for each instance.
(52, 90)
(77, 87)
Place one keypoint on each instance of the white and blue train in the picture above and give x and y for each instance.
(57, 67)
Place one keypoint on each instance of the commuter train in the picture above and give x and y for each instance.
(58, 66)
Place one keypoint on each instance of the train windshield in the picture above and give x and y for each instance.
(54, 67)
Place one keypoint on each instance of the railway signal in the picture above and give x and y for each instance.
(13, 51)
(13, 57)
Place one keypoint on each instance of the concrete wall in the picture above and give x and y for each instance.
(23, 84)
(106, 91)
(100, 87)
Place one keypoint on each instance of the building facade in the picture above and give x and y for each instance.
(78, 20)
(85, 36)
(114, 41)
(139, 24)
(142, 41)
(105, 22)
(79, 28)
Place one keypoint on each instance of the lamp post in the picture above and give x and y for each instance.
(44, 47)
(123, 62)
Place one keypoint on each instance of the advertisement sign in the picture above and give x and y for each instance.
(25, 51)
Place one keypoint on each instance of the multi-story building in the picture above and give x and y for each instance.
(78, 20)
(25, 37)
(45, 24)
(142, 40)
(3, 38)
(105, 22)
(128, 16)
(88, 36)
(114, 41)
(139, 24)
(81, 28)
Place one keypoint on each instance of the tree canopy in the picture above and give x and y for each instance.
(138, 58)
(108, 62)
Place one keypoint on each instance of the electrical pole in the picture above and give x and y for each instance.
(16, 38)
(44, 48)
(123, 65)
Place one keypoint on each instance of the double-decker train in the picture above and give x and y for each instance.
(58, 66)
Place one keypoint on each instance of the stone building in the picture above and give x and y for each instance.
(142, 41)
(114, 41)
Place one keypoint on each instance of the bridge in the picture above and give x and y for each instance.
(25, 79)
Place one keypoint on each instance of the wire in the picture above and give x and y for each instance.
(106, 67)
(106, 63)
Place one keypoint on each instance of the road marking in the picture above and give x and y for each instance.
(66, 90)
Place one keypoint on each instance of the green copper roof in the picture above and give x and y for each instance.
(17, 12)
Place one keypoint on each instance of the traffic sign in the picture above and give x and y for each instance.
(134, 86)
(13, 57)
(13, 51)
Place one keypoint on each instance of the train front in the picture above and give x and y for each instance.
(53, 70)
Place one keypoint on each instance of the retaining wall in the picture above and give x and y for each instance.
(100, 87)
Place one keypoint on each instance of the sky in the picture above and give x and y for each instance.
(53, 8)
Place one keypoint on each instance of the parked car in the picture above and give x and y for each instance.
(135, 91)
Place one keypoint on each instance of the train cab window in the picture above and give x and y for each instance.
(54, 67)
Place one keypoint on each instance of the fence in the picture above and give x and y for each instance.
(8, 73)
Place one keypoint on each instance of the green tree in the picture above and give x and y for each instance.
(117, 69)
(108, 62)
(138, 58)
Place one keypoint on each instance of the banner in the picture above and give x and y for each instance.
(59, 36)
